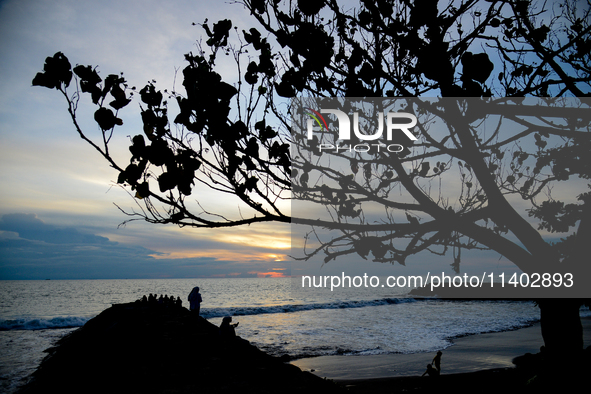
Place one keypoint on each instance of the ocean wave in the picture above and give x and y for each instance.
(42, 324)
(290, 308)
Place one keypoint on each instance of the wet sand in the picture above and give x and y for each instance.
(468, 354)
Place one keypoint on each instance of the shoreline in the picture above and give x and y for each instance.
(469, 354)
(138, 347)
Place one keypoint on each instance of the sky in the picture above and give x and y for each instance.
(57, 214)
(58, 218)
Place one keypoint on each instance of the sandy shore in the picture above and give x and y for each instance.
(468, 354)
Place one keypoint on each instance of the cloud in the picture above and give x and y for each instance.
(49, 170)
(28, 226)
(33, 249)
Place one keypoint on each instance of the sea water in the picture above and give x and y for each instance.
(272, 315)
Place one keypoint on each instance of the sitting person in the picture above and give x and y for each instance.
(431, 371)
(227, 330)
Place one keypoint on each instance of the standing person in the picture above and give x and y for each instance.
(437, 361)
(195, 300)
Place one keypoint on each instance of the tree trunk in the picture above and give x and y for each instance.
(561, 326)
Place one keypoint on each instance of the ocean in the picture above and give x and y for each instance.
(275, 315)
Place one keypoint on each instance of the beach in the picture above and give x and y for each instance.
(480, 352)
(152, 348)
(344, 338)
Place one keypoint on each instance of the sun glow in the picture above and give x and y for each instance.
(271, 274)
(275, 241)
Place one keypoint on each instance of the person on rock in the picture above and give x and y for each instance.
(195, 301)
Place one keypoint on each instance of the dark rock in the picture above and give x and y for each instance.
(139, 348)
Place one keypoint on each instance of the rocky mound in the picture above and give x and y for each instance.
(139, 348)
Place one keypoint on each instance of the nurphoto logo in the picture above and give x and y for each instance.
(344, 127)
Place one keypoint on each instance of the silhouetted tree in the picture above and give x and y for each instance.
(407, 49)
(233, 138)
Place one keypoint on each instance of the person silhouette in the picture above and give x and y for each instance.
(437, 361)
(195, 301)
(431, 371)
(227, 330)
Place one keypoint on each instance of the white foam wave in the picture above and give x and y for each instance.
(290, 308)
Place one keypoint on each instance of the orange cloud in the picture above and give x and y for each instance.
(219, 254)
(271, 274)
